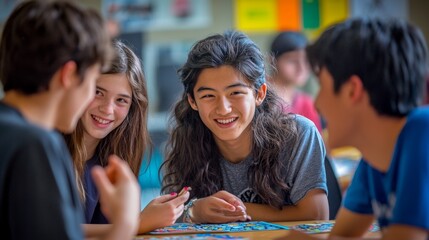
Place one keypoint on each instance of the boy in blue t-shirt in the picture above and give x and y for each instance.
(372, 81)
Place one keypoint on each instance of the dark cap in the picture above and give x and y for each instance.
(288, 41)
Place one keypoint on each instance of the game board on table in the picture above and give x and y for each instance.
(324, 227)
(198, 236)
(224, 227)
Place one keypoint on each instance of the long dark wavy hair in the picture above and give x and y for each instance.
(130, 140)
(192, 156)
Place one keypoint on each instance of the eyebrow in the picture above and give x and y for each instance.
(122, 95)
(230, 86)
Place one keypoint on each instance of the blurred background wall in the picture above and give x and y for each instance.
(162, 31)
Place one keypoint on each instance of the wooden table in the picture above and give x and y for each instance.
(259, 234)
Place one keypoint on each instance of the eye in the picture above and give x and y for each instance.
(123, 100)
(237, 93)
(98, 92)
(206, 96)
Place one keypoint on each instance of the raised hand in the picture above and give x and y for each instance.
(162, 211)
(119, 197)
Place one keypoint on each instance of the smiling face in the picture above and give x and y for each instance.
(110, 106)
(76, 99)
(293, 67)
(226, 103)
(340, 115)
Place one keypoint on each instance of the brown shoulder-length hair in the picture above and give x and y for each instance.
(192, 156)
(131, 138)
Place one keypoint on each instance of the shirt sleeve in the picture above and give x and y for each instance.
(307, 166)
(38, 207)
(357, 198)
(412, 191)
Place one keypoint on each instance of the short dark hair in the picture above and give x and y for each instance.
(288, 41)
(41, 36)
(390, 56)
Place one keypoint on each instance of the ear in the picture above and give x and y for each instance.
(355, 89)
(260, 95)
(192, 102)
(68, 74)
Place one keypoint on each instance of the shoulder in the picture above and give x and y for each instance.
(304, 124)
(25, 135)
(416, 127)
(418, 118)
(308, 139)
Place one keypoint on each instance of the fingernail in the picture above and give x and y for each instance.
(186, 188)
(173, 194)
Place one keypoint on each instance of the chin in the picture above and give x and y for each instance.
(97, 136)
(66, 129)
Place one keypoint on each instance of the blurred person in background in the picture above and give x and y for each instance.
(291, 72)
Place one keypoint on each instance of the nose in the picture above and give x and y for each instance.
(223, 106)
(106, 107)
(303, 65)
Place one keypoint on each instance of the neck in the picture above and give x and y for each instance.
(40, 109)
(236, 150)
(284, 90)
(377, 149)
(90, 145)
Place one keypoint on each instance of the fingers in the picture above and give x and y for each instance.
(219, 217)
(118, 169)
(230, 198)
(238, 212)
(173, 198)
(177, 199)
(237, 203)
(180, 200)
(222, 205)
(184, 190)
(165, 198)
(101, 180)
(118, 187)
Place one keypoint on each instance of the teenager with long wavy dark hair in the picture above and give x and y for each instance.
(231, 142)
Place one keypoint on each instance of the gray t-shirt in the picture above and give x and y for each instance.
(306, 169)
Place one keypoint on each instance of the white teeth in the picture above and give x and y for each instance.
(102, 121)
(225, 121)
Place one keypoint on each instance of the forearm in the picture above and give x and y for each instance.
(349, 224)
(95, 231)
(120, 230)
(146, 226)
(263, 212)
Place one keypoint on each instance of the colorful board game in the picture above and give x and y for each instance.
(199, 236)
(323, 227)
(224, 227)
